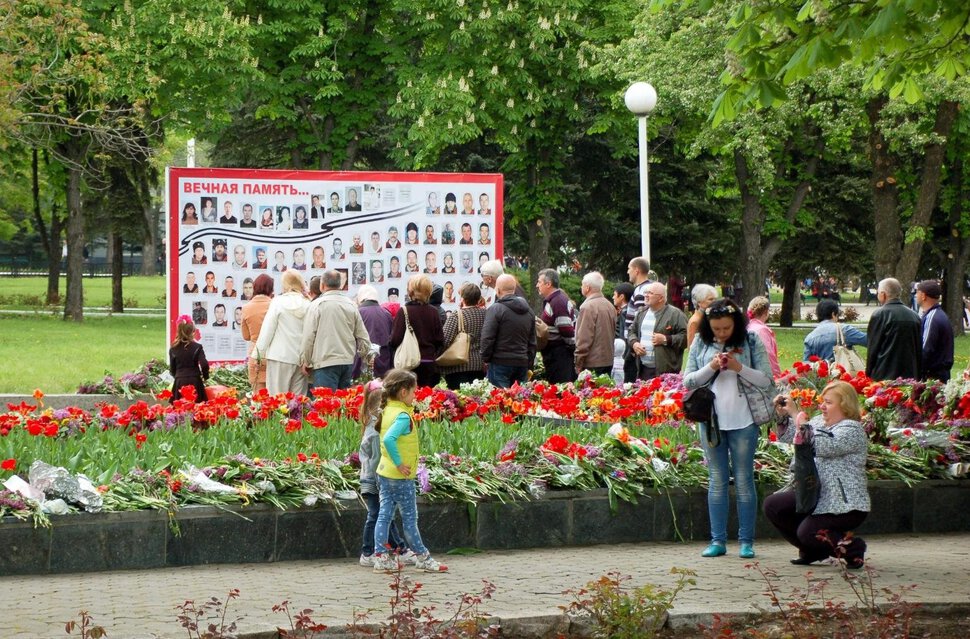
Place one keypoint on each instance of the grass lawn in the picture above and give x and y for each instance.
(44, 351)
(790, 348)
(138, 291)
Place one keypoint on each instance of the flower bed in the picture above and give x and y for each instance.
(481, 443)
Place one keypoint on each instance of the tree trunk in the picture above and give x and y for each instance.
(958, 250)
(74, 300)
(538, 255)
(117, 271)
(51, 243)
(790, 300)
(54, 259)
(142, 179)
(757, 252)
(934, 153)
(539, 231)
(752, 221)
(885, 196)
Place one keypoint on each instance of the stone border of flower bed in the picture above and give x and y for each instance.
(138, 540)
(87, 402)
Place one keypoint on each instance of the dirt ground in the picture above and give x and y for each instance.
(924, 624)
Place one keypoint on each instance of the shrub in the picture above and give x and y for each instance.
(619, 613)
(407, 618)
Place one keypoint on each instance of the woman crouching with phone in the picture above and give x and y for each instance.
(840, 445)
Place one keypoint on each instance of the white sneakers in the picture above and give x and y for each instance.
(389, 562)
(407, 558)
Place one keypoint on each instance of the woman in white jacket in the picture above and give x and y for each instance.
(281, 335)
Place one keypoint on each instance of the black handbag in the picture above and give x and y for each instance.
(805, 479)
(699, 407)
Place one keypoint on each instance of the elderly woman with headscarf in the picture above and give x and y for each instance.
(378, 322)
(281, 337)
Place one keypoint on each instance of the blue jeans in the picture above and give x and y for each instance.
(335, 377)
(502, 376)
(741, 445)
(373, 502)
(398, 494)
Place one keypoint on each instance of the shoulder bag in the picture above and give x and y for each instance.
(542, 334)
(699, 407)
(845, 357)
(760, 400)
(805, 479)
(457, 353)
(408, 353)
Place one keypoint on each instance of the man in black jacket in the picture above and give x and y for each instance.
(937, 333)
(895, 345)
(508, 342)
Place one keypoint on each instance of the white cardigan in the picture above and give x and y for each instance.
(282, 332)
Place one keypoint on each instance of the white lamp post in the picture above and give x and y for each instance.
(641, 99)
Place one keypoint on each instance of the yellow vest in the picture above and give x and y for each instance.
(407, 445)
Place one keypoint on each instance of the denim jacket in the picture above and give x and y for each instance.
(752, 356)
(821, 341)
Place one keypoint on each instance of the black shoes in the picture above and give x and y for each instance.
(801, 561)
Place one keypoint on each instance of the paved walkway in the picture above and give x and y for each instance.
(137, 604)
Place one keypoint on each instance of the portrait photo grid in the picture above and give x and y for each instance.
(372, 231)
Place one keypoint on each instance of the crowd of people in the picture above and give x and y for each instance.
(312, 335)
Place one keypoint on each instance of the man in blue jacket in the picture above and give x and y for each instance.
(937, 332)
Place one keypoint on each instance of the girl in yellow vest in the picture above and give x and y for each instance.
(370, 456)
(396, 472)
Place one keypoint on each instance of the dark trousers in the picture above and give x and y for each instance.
(630, 368)
(801, 530)
(600, 370)
(559, 360)
(454, 380)
(646, 372)
(427, 374)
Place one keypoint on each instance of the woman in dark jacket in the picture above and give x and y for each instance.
(426, 323)
(472, 319)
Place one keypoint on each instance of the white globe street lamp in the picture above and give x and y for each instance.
(641, 99)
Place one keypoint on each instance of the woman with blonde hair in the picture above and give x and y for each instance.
(426, 323)
(758, 309)
(281, 336)
(840, 447)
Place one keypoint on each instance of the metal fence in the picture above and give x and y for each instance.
(92, 268)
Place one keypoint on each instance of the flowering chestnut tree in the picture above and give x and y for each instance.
(515, 74)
